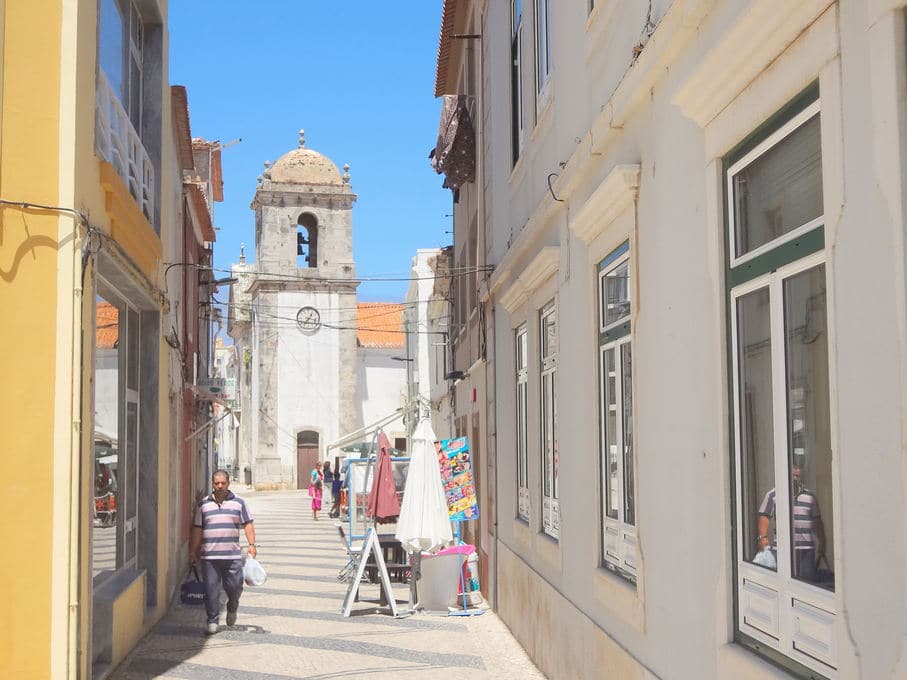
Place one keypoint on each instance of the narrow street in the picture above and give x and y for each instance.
(291, 627)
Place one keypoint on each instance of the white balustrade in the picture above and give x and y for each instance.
(117, 142)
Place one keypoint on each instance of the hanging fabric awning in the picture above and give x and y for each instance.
(454, 154)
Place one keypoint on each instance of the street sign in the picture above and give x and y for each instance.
(224, 388)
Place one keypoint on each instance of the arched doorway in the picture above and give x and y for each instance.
(306, 456)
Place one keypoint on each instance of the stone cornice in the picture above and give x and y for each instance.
(763, 31)
(542, 266)
(612, 197)
(340, 200)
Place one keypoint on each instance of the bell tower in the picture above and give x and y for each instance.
(303, 298)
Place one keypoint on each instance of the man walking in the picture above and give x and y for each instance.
(215, 540)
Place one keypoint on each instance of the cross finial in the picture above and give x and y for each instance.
(242, 253)
(301, 138)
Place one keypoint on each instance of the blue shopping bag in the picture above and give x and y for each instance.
(192, 591)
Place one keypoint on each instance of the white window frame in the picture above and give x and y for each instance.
(548, 436)
(542, 51)
(770, 142)
(516, 55)
(790, 616)
(619, 538)
(521, 351)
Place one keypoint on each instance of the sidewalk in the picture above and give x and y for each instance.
(291, 627)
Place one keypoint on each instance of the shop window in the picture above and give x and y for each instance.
(522, 428)
(116, 433)
(548, 350)
(782, 443)
(616, 449)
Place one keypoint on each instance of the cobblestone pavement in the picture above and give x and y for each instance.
(291, 626)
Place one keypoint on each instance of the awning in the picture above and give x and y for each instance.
(353, 436)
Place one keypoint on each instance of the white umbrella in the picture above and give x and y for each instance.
(424, 524)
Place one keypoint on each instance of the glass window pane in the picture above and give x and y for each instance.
(555, 454)
(779, 191)
(106, 435)
(111, 52)
(808, 434)
(521, 435)
(132, 357)
(610, 463)
(626, 390)
(617, 293)
(546, 438)
(756, 434)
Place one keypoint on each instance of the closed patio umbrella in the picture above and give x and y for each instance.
(383, 504)
(424, 523)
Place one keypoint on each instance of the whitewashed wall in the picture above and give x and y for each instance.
(709, 75)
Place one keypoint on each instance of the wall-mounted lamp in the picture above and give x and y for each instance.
(222, 282)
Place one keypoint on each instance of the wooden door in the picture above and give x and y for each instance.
(306, 457)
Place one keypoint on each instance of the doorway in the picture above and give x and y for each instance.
(306, 456)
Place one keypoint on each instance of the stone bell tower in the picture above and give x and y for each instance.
(303, 304)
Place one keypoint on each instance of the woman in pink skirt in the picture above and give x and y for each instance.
(316, 489)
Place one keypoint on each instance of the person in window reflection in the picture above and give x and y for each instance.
(808, 532)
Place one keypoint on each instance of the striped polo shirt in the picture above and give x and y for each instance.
(806, 513)
(220, 525)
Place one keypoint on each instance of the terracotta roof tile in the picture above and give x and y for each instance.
(380, 325)
(107, 328)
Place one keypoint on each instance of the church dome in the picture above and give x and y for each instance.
(305, 166)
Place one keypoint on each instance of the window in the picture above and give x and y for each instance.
(522, 430)
(307, 241)
(129, 84)
(780, 393)
(616, 454)
(120, 43)
(542, 48)
(116, 433)
(516, 78)
(548, 412)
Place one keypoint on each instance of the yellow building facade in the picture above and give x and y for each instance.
(87, 186)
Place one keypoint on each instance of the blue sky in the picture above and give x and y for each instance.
(358, 77)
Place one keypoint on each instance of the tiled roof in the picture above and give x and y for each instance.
(380, 325)
(107, 320)
(448, 14)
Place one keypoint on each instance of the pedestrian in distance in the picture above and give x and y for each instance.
(336, 492)
(327, 486)
(214, 541)
(316, 489)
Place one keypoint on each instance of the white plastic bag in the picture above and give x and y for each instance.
(253, 573)
(765, 558)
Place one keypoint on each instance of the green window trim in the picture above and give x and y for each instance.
(796, 249)
(779, 256)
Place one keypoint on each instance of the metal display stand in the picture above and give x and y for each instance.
(371, 547)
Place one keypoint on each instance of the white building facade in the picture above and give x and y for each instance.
(694, 209)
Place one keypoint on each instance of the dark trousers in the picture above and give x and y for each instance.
(217, 573)
(805, 564)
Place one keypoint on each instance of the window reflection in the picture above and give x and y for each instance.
(754, 358)
(109, 321)
(808, 434)
(780, 191)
